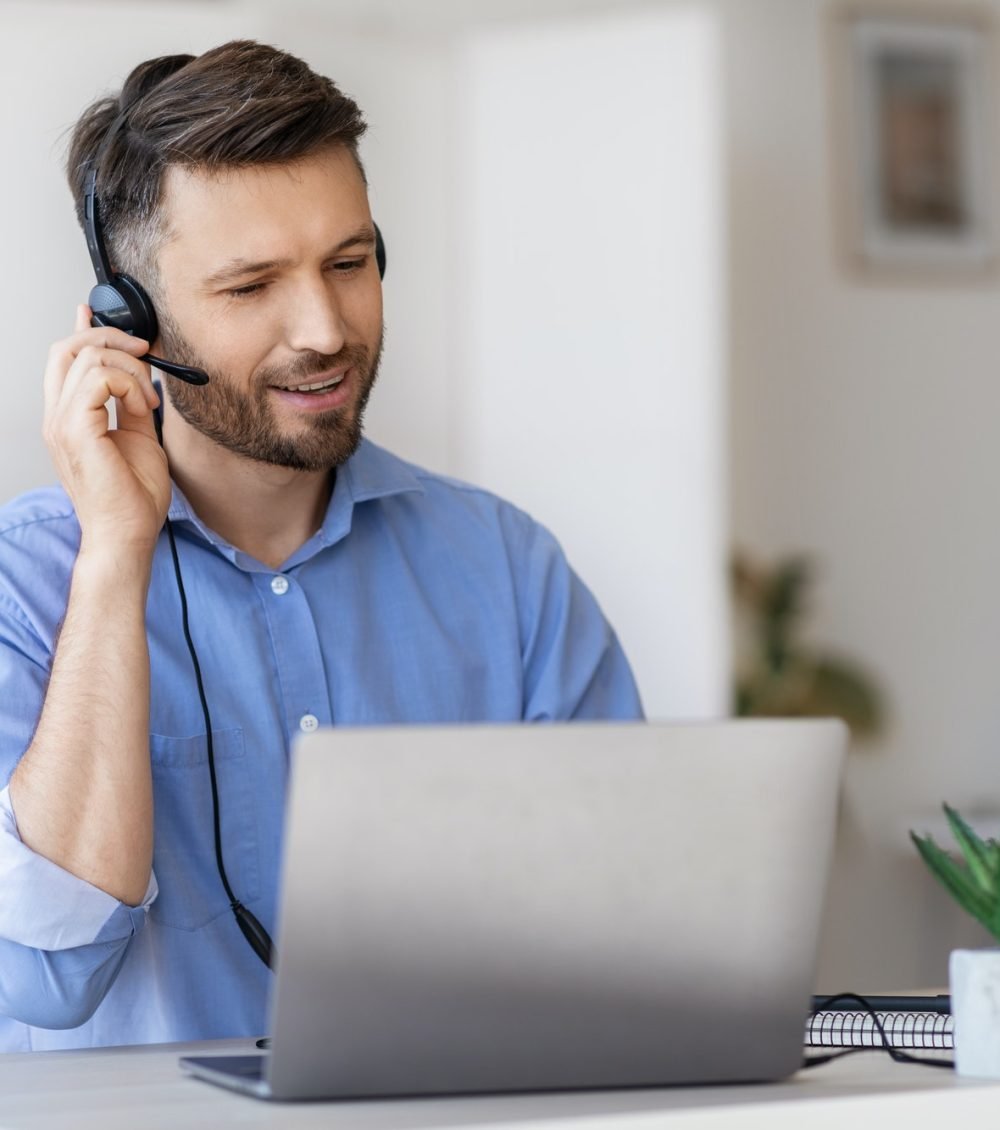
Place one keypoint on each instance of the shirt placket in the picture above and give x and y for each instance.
(305, 692)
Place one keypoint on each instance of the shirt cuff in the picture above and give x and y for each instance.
(45, 907)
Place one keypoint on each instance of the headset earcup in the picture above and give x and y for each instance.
(144, 322)
(380, 252)
(126, 306)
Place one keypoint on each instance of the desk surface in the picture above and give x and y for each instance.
(115, 1088)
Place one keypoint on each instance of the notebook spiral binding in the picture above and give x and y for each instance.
(850, 1029)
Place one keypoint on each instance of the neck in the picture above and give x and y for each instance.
(267, 512)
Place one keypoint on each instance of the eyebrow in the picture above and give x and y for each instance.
(238, 267)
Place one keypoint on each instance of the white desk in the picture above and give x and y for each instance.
(143, 1087)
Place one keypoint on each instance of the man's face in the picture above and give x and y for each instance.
(268, 282)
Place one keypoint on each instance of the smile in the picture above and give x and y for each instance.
(321, 386)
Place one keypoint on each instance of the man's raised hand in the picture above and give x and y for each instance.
(117, 478)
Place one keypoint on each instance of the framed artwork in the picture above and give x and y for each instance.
(916, 144)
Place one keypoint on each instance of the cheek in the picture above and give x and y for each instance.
(366, 316)
(237, 341)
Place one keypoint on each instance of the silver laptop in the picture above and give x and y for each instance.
(498, 908)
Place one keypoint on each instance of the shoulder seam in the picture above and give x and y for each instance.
(462, 486)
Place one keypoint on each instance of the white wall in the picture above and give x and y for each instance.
(589, 377)
(864, 420)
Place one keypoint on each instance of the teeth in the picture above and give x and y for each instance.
(317, 387)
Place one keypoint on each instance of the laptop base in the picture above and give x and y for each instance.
(243, 1073)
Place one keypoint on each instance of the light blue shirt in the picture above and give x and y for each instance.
(420, 599)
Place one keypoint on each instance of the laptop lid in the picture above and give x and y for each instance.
(491, 908)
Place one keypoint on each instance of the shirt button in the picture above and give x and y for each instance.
(308, 723)
(279, 585)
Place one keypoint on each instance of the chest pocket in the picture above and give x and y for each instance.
(191, 891)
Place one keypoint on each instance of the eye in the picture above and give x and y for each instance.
(347, 266)
(246, 291)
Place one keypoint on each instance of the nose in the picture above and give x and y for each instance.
(314, 319)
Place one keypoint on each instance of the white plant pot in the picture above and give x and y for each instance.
(975, 1006)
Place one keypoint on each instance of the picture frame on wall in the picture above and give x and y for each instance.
(917, 145)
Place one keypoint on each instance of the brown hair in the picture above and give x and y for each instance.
(240, 104)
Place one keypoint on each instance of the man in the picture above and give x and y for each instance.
(326, 581)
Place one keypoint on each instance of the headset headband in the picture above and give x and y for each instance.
(92, 226)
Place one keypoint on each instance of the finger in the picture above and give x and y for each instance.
(60, 359)
(85, 414)
(80, 418)
(104, 337)
(127, 421)
(83, 418)
(136, 407)
(107, 337)
(92, 357)
(63, 354)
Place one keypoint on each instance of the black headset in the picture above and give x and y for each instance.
(118, 300)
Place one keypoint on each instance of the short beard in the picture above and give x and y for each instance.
(244, 423)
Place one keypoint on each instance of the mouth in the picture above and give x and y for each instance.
(323, 392)
(316, 387)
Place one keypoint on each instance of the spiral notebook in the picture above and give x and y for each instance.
(854, 1029)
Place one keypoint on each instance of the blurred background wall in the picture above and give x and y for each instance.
(616, 294)
(863, 415)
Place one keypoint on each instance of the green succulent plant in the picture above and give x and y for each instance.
(974, 883)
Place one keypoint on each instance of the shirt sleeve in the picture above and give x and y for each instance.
(62, 940)
(45, 907)
(574, 665)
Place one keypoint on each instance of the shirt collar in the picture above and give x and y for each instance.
(370, 473)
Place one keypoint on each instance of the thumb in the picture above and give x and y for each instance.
(82, 317)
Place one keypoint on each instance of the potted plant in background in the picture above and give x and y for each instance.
(974, 975)
(778, 674)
